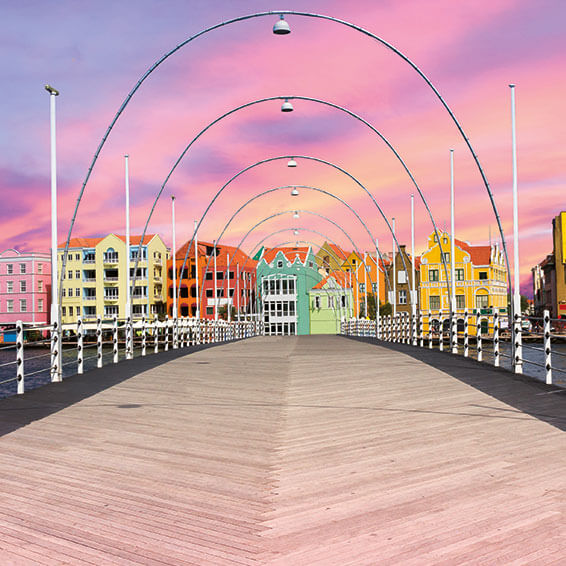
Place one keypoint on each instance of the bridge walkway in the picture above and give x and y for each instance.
(315, 450)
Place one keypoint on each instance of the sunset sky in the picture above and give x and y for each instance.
(95, 52)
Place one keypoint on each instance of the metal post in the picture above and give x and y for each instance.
(237, 291)
(80, 344)
(174, 273)
(453, 329)
(547, 348)
(479, 339)
(466, 334)
(98, 341)
(129, 354)
(144, 345)
(413, 283)
(454, 332)
(197, 272)
(365, 286)
(440, 331)
(228, 306)
(377, 298)
(421, 329)
(56, 334)
(155, 335)
(517, 330)
(129, 338)
(496, 339)
(166, 329)
(20, 356)
(430, 330)
(394, 270)
(115, 339)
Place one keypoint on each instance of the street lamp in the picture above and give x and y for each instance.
(295, 193)
(291, 162)
(281, 26)
(286, 106)
(296, 213)
(56, 358)
(296, 232)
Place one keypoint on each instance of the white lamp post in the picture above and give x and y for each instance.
(215, 283)
(174, 272)
(56, 358)
(197, 312)
(394, 298)
(129, 355)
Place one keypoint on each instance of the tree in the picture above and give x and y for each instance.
(223, 313)
(384, 309)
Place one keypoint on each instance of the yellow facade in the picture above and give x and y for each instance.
(95, 281)
(480, 278)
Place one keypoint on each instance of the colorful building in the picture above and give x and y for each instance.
(544, 286)
(285, 277)
(95, 278)
(25, 287)
(403, 280)
(331, 301)
(559, 241)
(480, 278)
(330, 257)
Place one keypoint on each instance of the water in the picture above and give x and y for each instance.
(37, 369)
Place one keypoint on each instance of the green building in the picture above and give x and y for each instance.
(331, 301)
(284, 278)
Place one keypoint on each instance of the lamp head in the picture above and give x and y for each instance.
(291, 163)
(281, 27)
(51, 90)
(296, 214)
(296, 232)
(286, 106)
(295, 192)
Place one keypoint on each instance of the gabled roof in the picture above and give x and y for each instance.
(338, 276)
(234, 256)
(201, 248)
(290, 253)
(92, 242)
(338, 251)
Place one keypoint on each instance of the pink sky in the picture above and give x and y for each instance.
(470, 50)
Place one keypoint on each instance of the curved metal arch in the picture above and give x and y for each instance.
(318, 160)
(276, 215)
(269, 191)
(310, 15)
(310, 99)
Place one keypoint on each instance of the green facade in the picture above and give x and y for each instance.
(306, 276)
(329, 305)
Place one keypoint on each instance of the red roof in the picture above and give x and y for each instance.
(338, 276)
(290, 253)
(92, 242)
(338, 250)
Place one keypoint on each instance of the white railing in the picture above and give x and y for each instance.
(99, 341)
(475, 335)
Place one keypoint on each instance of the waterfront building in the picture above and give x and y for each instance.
(25, 287)
(330, 257)
(331, 302)
(559, 242)
(544, 286)
(403, 281)
(285, 276)
(480, 279)
(95, 278)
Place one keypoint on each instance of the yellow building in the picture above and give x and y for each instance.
(480, 278)
(95, 281)
(330, 258)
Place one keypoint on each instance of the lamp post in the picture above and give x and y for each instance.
(129, 332)
(56, 358)
(394, 298)
(215, 283)
(453, 329)
(414, 289)
(517, 338)
(174, 273)
(197, 311)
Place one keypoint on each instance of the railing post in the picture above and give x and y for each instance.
(430, 330)
(479, 339)
(56, 352)
(517, 343)
(155, 335)
(115, 339)
(466, 334)
(441, 333)
(144, 344)
(80, 344)
(175, 332)
(98, 341)
(20, 356)
(129, 338)
(415, 327)
(496, 339)
(166, 338)
(420, 329)
(547, 348)
(454, 332)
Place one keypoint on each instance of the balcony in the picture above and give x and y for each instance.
(110, 259)
(158, 298)
(89, 280)
(89, 260)
(111, 279)
(89, 298)
(111, 298)
(158, 278)
(157, 261)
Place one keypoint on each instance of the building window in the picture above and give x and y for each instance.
(70, 273)
(10, 305)
(77, 292)
(402, 297)
(280, 264)
(401, 277)
(39, 305)
(482, 275)
(77, 274)
(460, 301)
(10, 268)
(208, 276)
(70, 311)
(40, 267)
(446, 256)
(209, 293)
(317, 302)
(209, 310)
(63, 292)
(482, 301)
(22, 267)
(23, 305)
(343, 301)
(434, 302)
(9, 286)
(78, 257)
(23, 286)
(433, 274)
(362, 287)
(445, 240)
(459, 274)
(40, 286)
(330, 302)
(64, 311)
(374, 287)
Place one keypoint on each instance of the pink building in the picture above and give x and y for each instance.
(25, 287)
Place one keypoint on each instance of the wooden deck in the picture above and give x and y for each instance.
(285, 451)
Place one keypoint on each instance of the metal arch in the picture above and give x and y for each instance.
(304, 14)
(318, 160)
(268, 191)
(310, 99)
(276, 215)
